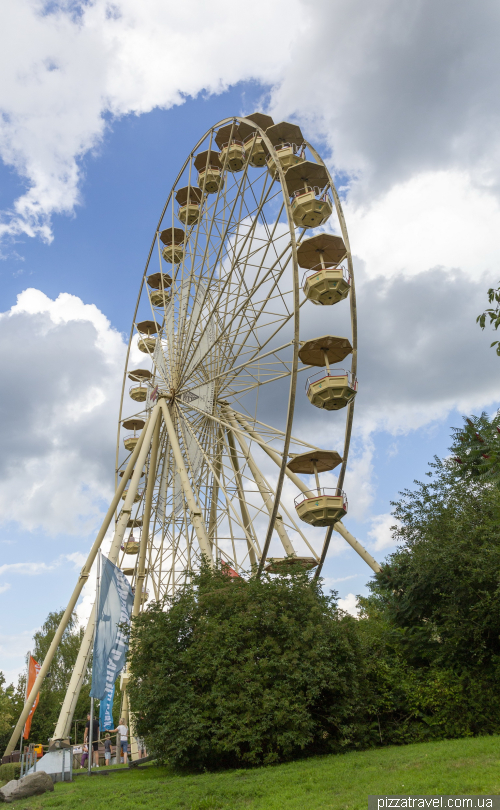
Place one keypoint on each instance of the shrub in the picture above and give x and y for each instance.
(10, 770)
(245, 673)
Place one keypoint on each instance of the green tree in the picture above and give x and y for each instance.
(431, 626)
(7, 709)
(492, 313)
(476, 448)
(54, 687)
(245, 672)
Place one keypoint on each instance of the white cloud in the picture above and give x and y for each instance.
(30, 568)
(434, 219)
(5, 587)
(349, 604)
(13, 648)
(408, 93)
(66, 66)
(381, 533)
(57, 454)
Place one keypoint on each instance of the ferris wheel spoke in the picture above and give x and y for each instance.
(263, 200)
(222, 239)
(225, 329)
(253, 543)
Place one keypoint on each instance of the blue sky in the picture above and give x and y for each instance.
(422, 215)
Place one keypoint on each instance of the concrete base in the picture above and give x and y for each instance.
(52, 763)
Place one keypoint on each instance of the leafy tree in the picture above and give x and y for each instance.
(6, 709)
(493, 313)
(245, 672)
(54, 687)
(476, 448)
(441, 589)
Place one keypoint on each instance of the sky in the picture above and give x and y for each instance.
(100, 104)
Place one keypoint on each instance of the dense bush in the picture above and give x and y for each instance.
(246, 673)
(10, 770)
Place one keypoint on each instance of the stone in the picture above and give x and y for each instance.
(33, 784)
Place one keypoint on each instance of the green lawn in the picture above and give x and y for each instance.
(450, 767)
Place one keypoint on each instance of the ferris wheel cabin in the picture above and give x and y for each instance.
(322, 506)
(288, 141)
(189, 199)
(208, 166)
(131, 439)
(173, 239)
(232, 151)
(326, 283)
(329, 389)
(146, 342)
(253, 143)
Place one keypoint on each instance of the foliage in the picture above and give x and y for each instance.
(5, 705)
(247, 673)
(54, 687)
(493, 313)
(10, 770)
(476, 448)
(431, 626)
(440, 591)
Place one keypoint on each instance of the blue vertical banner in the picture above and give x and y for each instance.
(110, 644)
(106, 711)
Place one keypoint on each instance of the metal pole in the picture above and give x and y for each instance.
(97, 614)
(67, 709)
(74, 597)
(247, 523)
(194, 509)
(265, 492)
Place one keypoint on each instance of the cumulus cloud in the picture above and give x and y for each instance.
(66, 66)
(350, 605)
(381, 532)
(408, 91)
(64, 362)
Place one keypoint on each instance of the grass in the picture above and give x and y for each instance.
(452, 767)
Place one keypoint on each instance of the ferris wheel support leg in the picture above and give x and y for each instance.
(73, 691)
(245, 516)
(74, 598)
(141, 566)
(194, 509)
(262, 485)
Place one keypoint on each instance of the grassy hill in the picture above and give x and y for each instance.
(451, 767)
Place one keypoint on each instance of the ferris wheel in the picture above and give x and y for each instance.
(251, 241)
(236, 255)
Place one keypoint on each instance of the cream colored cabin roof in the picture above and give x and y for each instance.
(332, 248)
(191, 194)
(138, 374)
(285, 132)
(133, 424)
(306, 173)
(155, 279)
(312, 352)
(325, 460)
(262, 121)
(172, 236)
